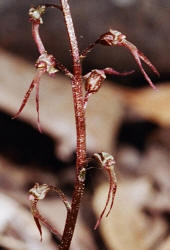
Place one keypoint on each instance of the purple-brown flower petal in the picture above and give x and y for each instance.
(137, 57)
(34, 83)
(111, 71)
(106, 161)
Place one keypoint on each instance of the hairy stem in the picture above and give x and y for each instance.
(37, 38)
(80, 129)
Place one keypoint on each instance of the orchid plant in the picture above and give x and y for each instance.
(46, 63)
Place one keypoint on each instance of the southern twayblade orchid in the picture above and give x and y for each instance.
(107, 162)
(39, 192)
(45, 63)
(93, 81)
(114, 37)
(95, 78)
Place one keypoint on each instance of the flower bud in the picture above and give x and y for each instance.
(39, 191)
(105, 160)
(113, 37)
(94, 80)
(36, 13)
(46, 62)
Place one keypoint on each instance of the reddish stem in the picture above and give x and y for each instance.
(63, 69)
(80, 129)
(37, 38)
(40, 45)
(53, 6)
(88, 49)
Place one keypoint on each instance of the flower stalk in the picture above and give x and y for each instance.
(80, 129)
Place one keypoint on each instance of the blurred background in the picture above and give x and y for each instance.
(125, 118)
